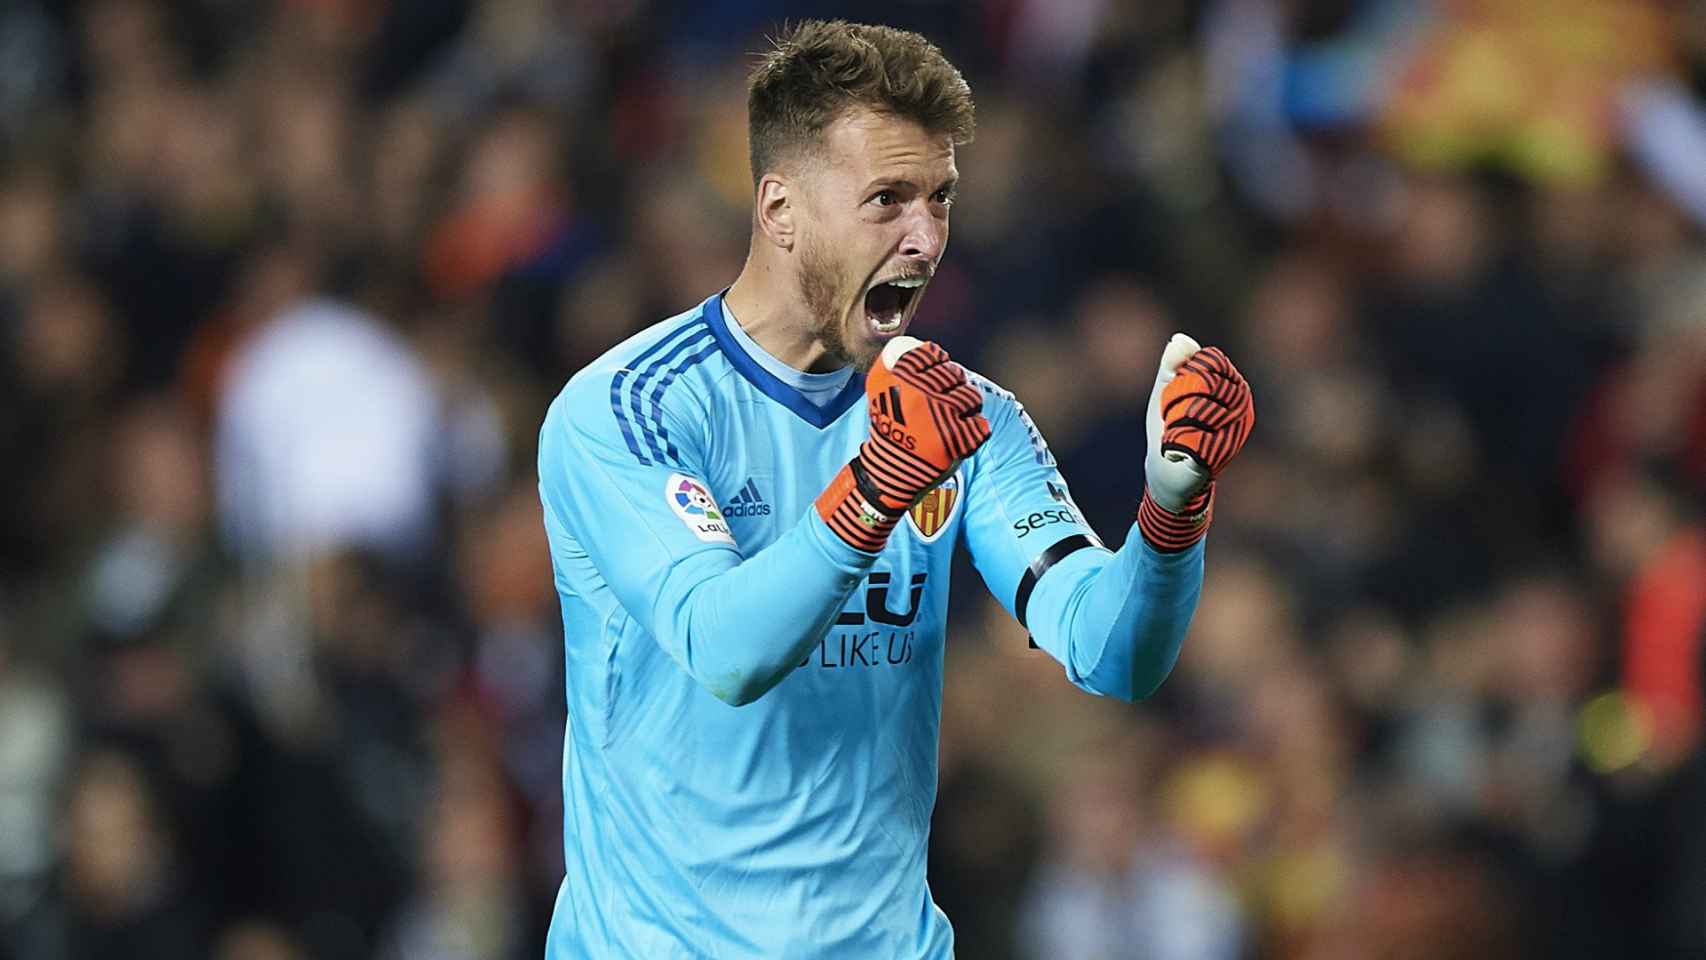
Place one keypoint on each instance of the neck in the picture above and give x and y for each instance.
(766, 302)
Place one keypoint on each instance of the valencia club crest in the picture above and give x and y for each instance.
(930, 515)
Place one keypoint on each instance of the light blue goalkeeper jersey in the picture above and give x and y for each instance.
(753, 705)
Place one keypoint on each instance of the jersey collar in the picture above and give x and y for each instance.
(711, 311)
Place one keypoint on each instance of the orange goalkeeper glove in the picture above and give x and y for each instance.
(925, 419)
(1200, 414)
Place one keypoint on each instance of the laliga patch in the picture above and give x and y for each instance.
(693, 503)
(930, 515)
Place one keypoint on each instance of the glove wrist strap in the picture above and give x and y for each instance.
(1170, 532)
(873, 494)
(848, 509)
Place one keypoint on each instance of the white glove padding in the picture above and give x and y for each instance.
(1173, 478)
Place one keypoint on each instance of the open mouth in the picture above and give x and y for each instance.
(886, 303)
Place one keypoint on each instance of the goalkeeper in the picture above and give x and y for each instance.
(752, 508)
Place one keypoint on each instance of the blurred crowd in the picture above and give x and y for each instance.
(285, 289)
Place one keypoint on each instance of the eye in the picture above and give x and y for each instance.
(943, 197)
(883, 198)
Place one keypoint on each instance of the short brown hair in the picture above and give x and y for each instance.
(819, 68)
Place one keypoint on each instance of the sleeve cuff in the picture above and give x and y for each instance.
(853, 518)
(1171, 532)
(846, 557)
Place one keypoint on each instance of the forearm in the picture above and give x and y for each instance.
(741, 630)
(1117, 621)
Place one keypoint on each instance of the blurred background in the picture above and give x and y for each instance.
(285, 288)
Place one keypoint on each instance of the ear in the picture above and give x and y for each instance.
(775, 200)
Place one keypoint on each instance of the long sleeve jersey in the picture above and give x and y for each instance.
(749, 764)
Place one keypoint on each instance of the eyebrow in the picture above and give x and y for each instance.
(950, 185)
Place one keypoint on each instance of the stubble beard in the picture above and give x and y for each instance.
(819, 289)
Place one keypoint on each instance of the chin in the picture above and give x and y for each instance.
(859, 356)
(861, 351)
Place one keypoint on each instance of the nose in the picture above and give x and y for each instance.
(925, 238)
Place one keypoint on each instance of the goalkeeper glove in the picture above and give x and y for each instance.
(925, 419)
(1200, 414)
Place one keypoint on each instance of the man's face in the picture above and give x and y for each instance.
(872, 226)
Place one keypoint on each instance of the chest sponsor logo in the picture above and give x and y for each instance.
(878, 636)
(930, 515)
(692, 502)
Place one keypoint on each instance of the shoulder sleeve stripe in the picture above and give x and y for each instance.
(673, 454)
(636, 390)
(1039, 448)
(637, 364)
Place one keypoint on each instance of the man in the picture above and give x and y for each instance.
(753, 563)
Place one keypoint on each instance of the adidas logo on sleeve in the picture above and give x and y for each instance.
(747, 503)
